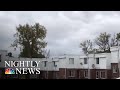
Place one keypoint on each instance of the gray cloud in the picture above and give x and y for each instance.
(65, 29)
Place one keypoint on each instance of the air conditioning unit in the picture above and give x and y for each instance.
(93, 66)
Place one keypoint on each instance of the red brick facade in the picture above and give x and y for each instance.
(71, 73)
(83, 73)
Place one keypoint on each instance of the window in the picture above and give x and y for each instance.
(71, 73)
(97, 60)
(0, 58)
(86, 74)
(54, 64)
(102, 74)
(71, 60)
(97, 75)
(56, 76)
(34, 64)
(114, 69)
(85, 60)
(45, 63)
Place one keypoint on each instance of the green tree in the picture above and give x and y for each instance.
(103, 41)
(86, 46)
(30, 39)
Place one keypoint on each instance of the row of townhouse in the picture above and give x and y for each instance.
(93, 66)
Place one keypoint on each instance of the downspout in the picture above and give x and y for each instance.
(88, 66)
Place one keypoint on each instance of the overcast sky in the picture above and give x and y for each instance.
(65, 29)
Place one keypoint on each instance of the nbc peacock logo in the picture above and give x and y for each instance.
(9, 71)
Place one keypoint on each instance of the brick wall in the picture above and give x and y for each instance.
(62, 74)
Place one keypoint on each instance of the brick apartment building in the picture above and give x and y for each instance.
(93, 66)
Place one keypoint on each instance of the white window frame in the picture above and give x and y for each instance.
(102, 75)
(71, 60)
(72, 73)
(56, 75)
(97, 76)
(86, 73)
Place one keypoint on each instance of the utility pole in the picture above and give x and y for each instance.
(88, 65)
(118, 48)
(94, 58)
(118, 55)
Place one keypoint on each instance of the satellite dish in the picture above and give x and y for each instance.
(93, 65)
(81, 63)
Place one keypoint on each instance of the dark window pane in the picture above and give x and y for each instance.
(85, 60)
(97, 60)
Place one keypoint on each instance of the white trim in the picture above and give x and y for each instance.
(86, 72)
(72, 73)
(71, 60)
(103, 75)
(98, 74)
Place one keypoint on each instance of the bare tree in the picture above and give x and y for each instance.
(86, 46)
(118, 37)
(114, 40)
(103, 41)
